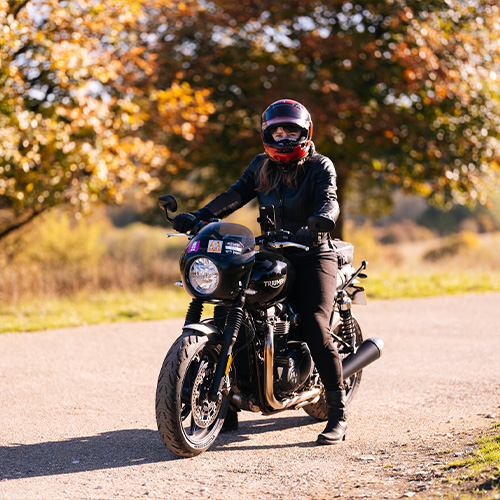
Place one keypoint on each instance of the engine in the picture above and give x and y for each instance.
(293, 367)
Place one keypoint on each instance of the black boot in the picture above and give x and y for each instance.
(336, 427)
(231, 421)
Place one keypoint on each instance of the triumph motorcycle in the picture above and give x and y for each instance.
(251, 354)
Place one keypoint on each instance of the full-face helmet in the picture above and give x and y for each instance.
(292, 116)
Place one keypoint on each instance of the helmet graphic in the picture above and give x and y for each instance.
(292, 116)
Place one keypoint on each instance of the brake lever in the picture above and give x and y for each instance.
(287, 244)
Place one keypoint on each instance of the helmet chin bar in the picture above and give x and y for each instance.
(288, 155)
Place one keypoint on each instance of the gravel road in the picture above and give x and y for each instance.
(77, 414)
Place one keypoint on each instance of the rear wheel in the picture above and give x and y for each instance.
(319, 410)
(188, 421)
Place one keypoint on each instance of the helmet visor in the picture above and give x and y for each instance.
(284, 113)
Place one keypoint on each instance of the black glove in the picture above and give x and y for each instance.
(306, 236)
(184, 222)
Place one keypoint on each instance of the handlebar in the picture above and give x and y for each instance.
(279, 239)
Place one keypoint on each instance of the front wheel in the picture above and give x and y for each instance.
(319, 410)
(188, 421)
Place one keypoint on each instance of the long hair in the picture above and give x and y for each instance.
(271, 174)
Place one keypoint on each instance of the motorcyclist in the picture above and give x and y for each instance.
(298, 182)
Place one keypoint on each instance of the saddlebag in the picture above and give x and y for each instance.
(345, 252)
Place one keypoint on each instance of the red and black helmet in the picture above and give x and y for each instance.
(286, 113)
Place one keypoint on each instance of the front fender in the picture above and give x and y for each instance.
(203, 328)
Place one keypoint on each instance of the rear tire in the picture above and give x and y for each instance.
(319, 410)
(188, 422)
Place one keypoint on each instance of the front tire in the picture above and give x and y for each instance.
(188, 422)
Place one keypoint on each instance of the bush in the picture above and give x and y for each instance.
(59, 256)
(402, 232)
(452, 246)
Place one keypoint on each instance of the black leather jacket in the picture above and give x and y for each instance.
(316, 194)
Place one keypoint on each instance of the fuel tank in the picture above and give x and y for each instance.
(271, 278)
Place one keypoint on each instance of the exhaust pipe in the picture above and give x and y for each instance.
(369, 351)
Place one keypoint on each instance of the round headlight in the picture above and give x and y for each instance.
(203, 276)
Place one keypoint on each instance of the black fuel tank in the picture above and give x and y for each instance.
(271, 278)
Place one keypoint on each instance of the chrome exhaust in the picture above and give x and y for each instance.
(301, 399)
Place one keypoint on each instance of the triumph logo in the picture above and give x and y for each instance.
(274, 283)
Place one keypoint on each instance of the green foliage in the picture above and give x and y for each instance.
(401, 92)
(74, 125)
(96, 98)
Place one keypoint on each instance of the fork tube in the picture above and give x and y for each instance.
(231, 330)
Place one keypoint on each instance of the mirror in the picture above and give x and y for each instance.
(320, 224)
(168, 203)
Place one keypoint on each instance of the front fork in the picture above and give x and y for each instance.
(230, 332)
(229, 336)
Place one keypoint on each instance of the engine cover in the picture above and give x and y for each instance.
(293, 367)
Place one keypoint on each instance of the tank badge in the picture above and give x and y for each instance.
(214, 246)
(274, 283)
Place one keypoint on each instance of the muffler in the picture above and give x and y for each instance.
(369, 351)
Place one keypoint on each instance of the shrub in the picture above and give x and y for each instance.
(58, 256)
(402, 232)
(452, 246)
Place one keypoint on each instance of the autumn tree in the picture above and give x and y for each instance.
(78, 97)
(402, 92)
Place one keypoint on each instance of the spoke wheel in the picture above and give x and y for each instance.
(188, 421)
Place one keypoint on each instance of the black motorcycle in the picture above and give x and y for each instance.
(250, 355)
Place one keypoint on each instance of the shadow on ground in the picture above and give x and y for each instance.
(122, 448)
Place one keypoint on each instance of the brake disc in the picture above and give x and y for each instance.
(204, 411)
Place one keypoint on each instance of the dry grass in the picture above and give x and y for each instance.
(60, 258)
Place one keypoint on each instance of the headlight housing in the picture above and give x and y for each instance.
(203, 276)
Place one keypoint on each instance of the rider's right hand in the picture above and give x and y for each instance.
(184, 222)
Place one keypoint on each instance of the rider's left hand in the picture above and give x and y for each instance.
(306, 236)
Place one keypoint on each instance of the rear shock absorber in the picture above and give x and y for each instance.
(347, 328)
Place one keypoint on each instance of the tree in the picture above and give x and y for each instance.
(402, 92)
(77, 99)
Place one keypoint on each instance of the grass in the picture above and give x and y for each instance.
(101, 307)
(164, 303)
(480, 468)
(407, 284)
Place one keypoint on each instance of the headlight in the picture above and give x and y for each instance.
(203, 276)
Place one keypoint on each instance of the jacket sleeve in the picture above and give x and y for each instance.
(325, 191)
(239, 194)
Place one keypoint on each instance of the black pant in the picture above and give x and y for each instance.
(313, 295)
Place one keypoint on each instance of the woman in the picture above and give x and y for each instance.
(299, 183)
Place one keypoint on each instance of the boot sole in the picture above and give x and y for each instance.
(323, 440)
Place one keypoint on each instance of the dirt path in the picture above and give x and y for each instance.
(77, 414)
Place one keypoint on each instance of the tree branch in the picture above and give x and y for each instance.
(19, 223)
(15, 7)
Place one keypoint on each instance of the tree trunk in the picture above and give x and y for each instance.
(341, 184)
